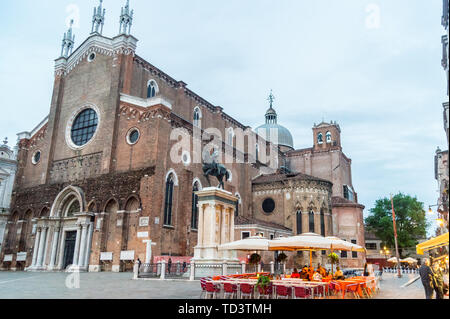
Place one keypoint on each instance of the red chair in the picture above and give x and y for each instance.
(283, 292)
(229, 290)
(212, 290)
(319, 291)
(265, 292)
(203, 282)
(302, 293)
(334, 288)
(246, 291)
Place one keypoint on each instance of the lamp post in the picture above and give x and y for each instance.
(385, 252)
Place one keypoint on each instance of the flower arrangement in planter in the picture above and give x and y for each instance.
(281, 258)
(263, 285)
(254, 259)
(334, 260)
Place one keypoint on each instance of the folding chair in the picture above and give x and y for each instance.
(212, 290)
(283, 292)
(203, 285)
(246, 291)
(230, 290)
(302, 293)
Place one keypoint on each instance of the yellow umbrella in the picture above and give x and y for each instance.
(434, 242)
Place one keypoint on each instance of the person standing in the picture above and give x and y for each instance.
(438, 281)
(365, 272)
(169, 264)
(426, 275)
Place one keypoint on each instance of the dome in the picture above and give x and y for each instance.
(284, 136)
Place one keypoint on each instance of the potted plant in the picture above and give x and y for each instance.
(281, 258)
(334, 259)
(263, 285)
(254, 259)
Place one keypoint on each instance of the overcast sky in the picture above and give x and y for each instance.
(372, 66)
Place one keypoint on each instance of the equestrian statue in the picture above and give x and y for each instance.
(212, 168)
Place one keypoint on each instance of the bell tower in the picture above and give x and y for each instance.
(327, 136)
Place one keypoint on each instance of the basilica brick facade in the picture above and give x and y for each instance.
(103, 174)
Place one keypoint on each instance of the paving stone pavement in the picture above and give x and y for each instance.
(35, 285)
(390, 287)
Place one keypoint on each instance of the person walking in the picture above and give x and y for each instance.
(438, 281)
(426, 275)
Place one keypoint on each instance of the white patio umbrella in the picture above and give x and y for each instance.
(409, 260)
(392, 260)
(250, 243)
(306, 241)
(339, 244)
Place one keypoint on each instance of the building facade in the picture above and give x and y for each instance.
(110, 169)
(8, 167)
(441, 157)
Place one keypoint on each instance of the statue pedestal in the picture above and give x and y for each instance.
(216, 208)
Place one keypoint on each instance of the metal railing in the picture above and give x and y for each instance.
(196, 271)
(149, 270)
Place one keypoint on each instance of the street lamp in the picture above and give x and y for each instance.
(385, 252)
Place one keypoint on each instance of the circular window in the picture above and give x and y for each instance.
(36, 157)
(91, 57)
(133, 136)
(84, 127)
(186, 158)
(268, 205)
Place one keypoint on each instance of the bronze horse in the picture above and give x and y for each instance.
(217, 170)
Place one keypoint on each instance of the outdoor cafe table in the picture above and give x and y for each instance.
(292, 282)
(361, 281)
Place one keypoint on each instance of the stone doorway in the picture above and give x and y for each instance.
(69, 248)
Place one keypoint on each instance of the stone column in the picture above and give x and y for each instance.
(42, 242)
(224, 268)
(77, 246)
(192, 274)
(89, 244)
(200, 225)
(54, 248)
(272, 267)
(163, 269)
(243, 267)
(83, 243)
(36, 246)
(61, 251)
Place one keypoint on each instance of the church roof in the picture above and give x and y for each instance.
(284, 136)
(337, 201)
(277, 177)
(241, 220)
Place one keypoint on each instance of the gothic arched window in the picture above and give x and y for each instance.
(152, 89)
(236, 212)
(194, 218)
(299, 222)
(311, 221)
(328, 136)
(320, 138)
(322, 222)
(168, 201)
(197, 117)
(230, 136)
